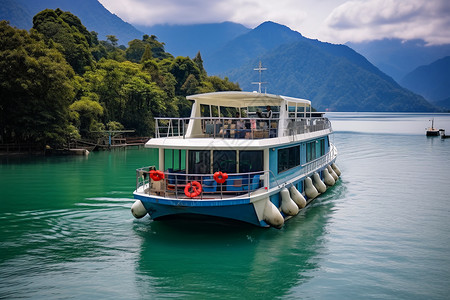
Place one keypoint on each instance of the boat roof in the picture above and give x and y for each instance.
(245, 99)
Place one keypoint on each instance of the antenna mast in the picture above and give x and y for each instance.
(259, 69)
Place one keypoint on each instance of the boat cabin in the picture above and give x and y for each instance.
(255, 139)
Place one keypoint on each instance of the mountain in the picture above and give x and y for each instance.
(269, 36)
(444, 104)
(334, 77)
(431, 81)
(91, 13)
(187, 40)
(265, 37)
(397, 58)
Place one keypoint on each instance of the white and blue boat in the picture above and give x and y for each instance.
(261, 166)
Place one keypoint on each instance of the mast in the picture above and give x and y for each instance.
(259, 83)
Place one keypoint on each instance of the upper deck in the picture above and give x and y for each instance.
(252, 121)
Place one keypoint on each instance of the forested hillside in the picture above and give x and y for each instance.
(91, 12)
(58, 81)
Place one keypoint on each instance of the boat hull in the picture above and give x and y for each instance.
(240, 210)
(432, 132)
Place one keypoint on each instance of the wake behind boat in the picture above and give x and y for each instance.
(259, 167)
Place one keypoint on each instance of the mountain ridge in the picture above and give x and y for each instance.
(431, 81)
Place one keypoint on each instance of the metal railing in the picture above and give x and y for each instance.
(245, 128)
(173, 185)
(237, 184)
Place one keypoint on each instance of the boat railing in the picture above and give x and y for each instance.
(310, 167)
(240, 128)
(305, 125)
(314, 165)
(237, 184)
(178, 185)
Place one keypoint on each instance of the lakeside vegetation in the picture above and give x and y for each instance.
(59, 82)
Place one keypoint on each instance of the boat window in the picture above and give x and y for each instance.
(251, 161)
(174, 160)
(322, 147)
(310, 151)
(154, 157)
(224, 161)
(199, 161)
(288, 158)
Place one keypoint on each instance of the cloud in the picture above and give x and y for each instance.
(377, 19)
(247, 12)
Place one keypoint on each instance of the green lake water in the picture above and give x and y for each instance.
(382, 232)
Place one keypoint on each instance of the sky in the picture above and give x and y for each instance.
(336, 21)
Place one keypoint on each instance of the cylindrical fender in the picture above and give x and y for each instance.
(272, 215)
(297, 197)
(318, 183)
(336, 169)
(329, 180)
(138, 210)
(332, 173)
(288, 206)
(310, 191)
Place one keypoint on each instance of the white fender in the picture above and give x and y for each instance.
(272, 215)
(332, 173)
(297, 197)
(310, 190)
(138, 210)
(329, 180)
(318, 183)
(336, 169)
(288, 206)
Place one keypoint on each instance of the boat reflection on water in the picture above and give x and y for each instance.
(225, 261)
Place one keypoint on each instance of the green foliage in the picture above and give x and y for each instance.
(86, 113)
(44, 101)
(35, 88)
(147, 54)
(66, 29)
(114, 125)
(145, 49)
(181, 68)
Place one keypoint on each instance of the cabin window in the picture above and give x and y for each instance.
(288, 158)
(310, 151)
(224, 161)
(175, 160)
(251, 161)
(154, 157)
(322, 147)
(199, 161)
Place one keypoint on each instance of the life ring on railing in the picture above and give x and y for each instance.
(196, 187)
(220, 177)
(156, 175)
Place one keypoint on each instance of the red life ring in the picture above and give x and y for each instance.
(197, 189)
(156, 175)
(220, 177)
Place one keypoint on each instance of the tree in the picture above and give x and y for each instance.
(147, 54)
(199, 62)
(35, 89)
(129, 95)
(86, 113)
(181, 68)
(66, 29)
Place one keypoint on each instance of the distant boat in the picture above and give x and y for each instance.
(431, 131)
(442, 133)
